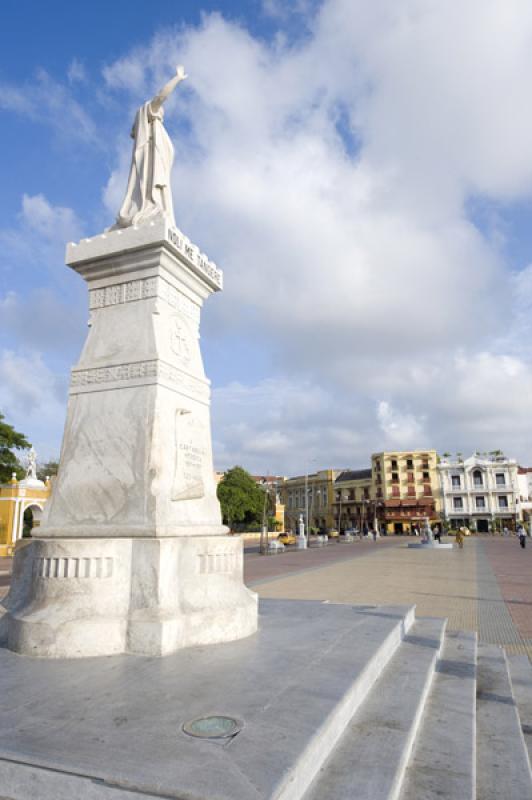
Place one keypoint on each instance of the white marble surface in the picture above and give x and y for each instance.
(75, 598)
(149, 190)
(132, 555)
(136, 457)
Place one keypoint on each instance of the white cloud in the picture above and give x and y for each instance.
(50, 222)
(32, 399)
(331, 178)
(403, 429)
(76, 72)
(35, 247)
(47, 101)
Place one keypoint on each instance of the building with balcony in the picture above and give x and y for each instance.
(398, 492)
(481, 492)
(309, 495)
(353, 503)
(406, 489)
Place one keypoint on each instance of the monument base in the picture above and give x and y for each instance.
(74, 598)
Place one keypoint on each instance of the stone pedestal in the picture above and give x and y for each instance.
(132, 555)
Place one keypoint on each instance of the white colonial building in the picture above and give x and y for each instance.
(481, 492)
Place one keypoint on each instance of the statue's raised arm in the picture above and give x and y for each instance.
(168, 88)
(149, 193)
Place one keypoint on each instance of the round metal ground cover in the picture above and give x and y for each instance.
(215, 727)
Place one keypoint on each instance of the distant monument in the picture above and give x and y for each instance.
(131, 555)
(31, 470)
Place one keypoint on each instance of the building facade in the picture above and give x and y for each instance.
(21, 503)
(354, 500)
(406, 489)
(311, 495)
(398, 492)
(481, 492)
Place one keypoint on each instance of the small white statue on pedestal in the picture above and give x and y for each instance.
(31, 469)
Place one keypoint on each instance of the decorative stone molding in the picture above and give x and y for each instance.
(219, 563)
(126, 292)
(73, 567)
(143, 289)
(86, 380)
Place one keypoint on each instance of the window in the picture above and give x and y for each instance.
(480, 502)
(394, 463)
(425, 463)
(366, 493)
(503, 501)
(410, 477)
(455, 481)
(500, 479)
(379, 492)
(409, 463)
(427, 491)
(426, 476)
(458, 503)
(411, 491)
(477, 478)
(395, 491)
(395, 477)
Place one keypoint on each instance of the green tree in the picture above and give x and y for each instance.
(10, 440)
(242, 501)
(48, 470)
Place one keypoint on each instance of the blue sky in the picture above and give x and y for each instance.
(361, 172)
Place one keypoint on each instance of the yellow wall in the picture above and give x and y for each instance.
(15, 498)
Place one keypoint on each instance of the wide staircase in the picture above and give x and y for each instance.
(337, 702)
(447, 719)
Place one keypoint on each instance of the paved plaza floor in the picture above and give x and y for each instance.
(486, 587)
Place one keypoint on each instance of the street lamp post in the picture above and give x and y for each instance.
(263, 548)
(306, 506)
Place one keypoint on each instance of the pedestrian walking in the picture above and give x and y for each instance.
(522, 536)
(460, 538)
(437, 533)
(505, 531)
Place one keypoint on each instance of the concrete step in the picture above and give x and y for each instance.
(521, 677)
(503, 765)
(370, 758)
(116, 722)
(443, 762)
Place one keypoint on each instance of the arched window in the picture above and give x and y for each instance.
(477, 478)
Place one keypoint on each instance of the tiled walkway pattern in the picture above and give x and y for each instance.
(459, 584)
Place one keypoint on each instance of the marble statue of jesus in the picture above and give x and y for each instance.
(149, 193)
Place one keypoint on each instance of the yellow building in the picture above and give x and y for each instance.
(17, 498)
(310, 494)
(399, 491)
(406, 488)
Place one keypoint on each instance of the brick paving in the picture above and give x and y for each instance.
(512, 567)
(258, 569)
(471, 587)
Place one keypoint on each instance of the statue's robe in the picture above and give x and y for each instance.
(148, 193)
